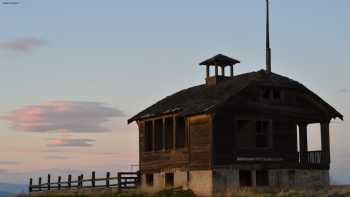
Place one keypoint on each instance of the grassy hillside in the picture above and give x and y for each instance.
(332, 192)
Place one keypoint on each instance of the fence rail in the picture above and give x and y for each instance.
(123, 180)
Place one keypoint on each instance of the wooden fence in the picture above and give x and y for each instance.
(124, 180)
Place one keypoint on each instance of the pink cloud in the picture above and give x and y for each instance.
(69, 116)
(22, 44)
(77, 142)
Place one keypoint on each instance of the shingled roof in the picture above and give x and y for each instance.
(219, 60)
(204, 99)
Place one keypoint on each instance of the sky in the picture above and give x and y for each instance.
(73, 72)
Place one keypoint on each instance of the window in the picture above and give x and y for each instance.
(169, 133)
(169, 179)
(274, 94)
(266, 93)
(180, 132)
(245, 178)
(277, 94)
(262, 178)
(254, 134)
(262, 134)
(149, 179)
(148, 139)
(158, 134)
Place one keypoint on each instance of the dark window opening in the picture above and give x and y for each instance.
(262, 131)
(148, 139)
(169, 133)
(262, 178)
(158, 134)
(149, 179)
(277, 94)
(169, 179)
(180, 132)
(266, 93)
(245, 178)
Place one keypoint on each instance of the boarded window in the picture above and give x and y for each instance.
(148, 140)
(262, 134)
(180, 132)
(158, 132)
(149, 179)
(246, 134)
(169, 179)
(245, 178)
(262, 178)
(169, 133)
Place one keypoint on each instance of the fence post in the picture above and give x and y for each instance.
(119, 181)
(78, 182)
(39, 183)
(59, 182)
(69, 181)
(81, 180)
(138, 178)
(107, 178)
(30, 184)
(48, 182)
(93, 179)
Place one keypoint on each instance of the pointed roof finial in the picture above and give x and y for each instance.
(268, 49)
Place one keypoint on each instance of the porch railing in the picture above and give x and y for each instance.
(313, 159)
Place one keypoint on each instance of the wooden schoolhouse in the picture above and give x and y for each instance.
(243, 130)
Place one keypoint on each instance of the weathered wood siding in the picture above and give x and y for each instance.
(200, 142)
(293, 107)
(155, 161)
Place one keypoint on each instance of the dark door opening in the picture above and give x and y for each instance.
(245, 178)
(262, 178)
(169, 179)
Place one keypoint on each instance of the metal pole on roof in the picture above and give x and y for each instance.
(268, 49)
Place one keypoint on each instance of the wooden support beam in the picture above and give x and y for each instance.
(222, 70)
(216, 71)
(231, 71)
(325, 142)
(303, 142)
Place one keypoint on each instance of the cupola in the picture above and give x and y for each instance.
(222, 62)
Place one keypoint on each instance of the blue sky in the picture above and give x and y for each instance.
(125, 55)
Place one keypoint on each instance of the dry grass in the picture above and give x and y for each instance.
(339, 191)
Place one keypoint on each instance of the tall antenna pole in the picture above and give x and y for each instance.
(268, 49)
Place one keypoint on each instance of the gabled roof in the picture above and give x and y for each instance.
(220, 60)
(204, 99)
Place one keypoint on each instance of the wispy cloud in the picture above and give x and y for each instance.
(70, 142)
(8, 162)
(68, 116)
(22, 44)
(56, 157)
(344, 90)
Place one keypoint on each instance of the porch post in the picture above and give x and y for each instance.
(326, 155)
(303, 142)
